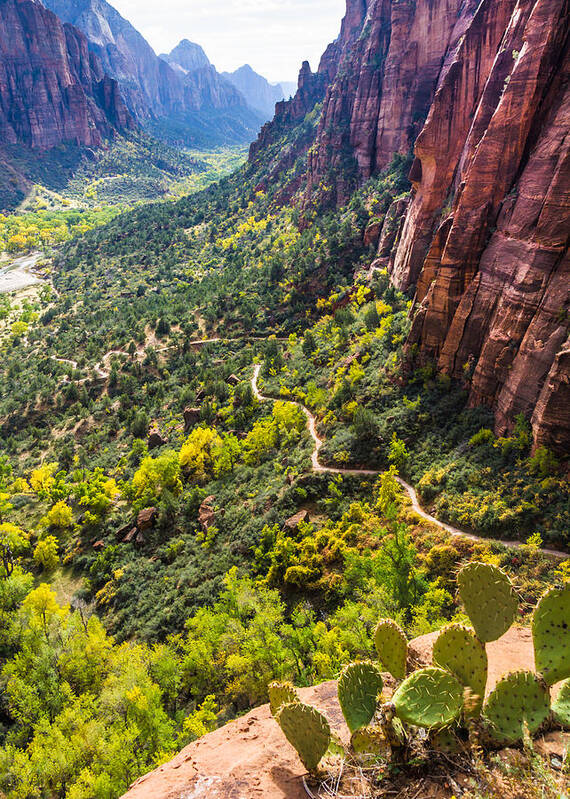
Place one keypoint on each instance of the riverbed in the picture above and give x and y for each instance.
(17, 274)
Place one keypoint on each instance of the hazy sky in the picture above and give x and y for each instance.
(274, 36)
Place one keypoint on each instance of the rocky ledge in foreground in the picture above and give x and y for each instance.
(250, 757)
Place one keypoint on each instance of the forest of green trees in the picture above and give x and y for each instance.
(151, 586)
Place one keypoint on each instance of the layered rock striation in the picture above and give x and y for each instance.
(52, 89)
(485, 240)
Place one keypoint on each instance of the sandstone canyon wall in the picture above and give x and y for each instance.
(479, 90)
(52, 90)
(178, 87)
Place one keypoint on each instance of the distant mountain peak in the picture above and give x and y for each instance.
(180, 95)
(245, 68)
(259, 93)
(188, 56)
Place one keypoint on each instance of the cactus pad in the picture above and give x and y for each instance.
(458, 650)
(281, 693)
(358, 687)
(429, 698)
(392, 647)
(561, 705)
(307, 730)
(489, 599)
(445, 740)
(369, 741)
(551, 635)
(518, 698)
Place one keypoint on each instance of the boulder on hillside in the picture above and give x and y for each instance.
(130, 535)
(191, 417)
(146, 519)
(292, 523)
(206, 514)
(155, 439)
(122, 531)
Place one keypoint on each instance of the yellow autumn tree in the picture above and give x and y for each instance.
(198, 453)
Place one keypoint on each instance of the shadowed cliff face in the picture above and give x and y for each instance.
(52, 90)
(480, 91)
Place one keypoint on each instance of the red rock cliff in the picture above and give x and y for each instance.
(52, 90)
(479, 90)
(486, 236)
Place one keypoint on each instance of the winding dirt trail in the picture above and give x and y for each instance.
(410, 490)
(102, 369)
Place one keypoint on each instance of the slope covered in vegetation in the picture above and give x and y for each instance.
(166, 548)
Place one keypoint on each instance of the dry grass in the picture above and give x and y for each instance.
(508, 774)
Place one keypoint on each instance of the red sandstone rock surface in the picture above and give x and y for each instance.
(52, 90)
(493, 285)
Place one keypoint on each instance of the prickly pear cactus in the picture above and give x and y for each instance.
(369, 741)
(458, 650)
(392, 647)
(281, 693)
(561, 705)
(445, 740)
(517, 699)
(307, 730)
(489, 599)
(392, 727)
(429, 698)
(551, 635)
(358, 687)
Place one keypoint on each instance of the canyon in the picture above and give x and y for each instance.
(180, 89)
